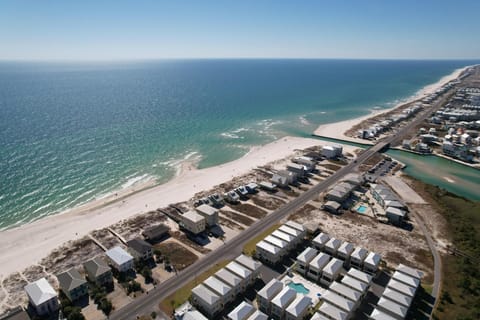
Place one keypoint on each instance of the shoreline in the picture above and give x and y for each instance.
(24, 245)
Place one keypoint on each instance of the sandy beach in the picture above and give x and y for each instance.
(337, 129)
(23, 246)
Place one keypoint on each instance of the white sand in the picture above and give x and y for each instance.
(337, 129)
(28, 244)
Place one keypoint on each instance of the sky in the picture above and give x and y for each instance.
(126, 30)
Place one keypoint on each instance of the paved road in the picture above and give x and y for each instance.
(147, 303)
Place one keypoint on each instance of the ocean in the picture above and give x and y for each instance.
(73, 132)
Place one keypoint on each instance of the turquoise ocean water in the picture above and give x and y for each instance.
(71, 132)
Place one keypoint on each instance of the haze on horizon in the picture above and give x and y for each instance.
(126, 30)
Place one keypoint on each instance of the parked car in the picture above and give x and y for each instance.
(232, 197)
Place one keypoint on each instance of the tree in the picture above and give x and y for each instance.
(106, 306)
(147, 274)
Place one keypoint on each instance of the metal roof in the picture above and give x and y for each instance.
(139, 245)
(320, 261)
(295, 225)
(307, 255)
(333, 267)
(359, 254)
(271, 289)
(299, 305)
(193, 216)
(275, 241)
(70, 280)
(345, 291)
(258, 315)
(206, 210)
(380, 315)
(321, 239)
(373, 259)
(284, 298)
(360, 275)
(118, 255)
(268, 247)
(96, 266)
(193, 315)
(339, 301)
(400, 287)
(333, 244)
(392, 307)
(332, 312)
(406, 279)
(40, 291)
(346, 248)
(354, 284)
(282, 235)
(289, 230)
(397, 297)
(238, 269)
(410, 271)
(217, 286)
(242, 311)
(248, 262)
(228, 277)
(205, 294)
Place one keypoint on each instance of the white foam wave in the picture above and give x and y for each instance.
(132, 181)
(303, 120)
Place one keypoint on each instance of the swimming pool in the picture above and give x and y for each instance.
(361, 208)
(300, 288)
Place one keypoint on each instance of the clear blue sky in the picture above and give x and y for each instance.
(112, 30)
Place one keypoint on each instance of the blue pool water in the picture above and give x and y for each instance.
(300, 288)
(361, 209)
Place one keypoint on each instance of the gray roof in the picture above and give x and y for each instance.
(289, 230)
(373, 259)
(96, 266)
(333, 267)
(333, 204)
(307, 255)
(228, 277)
(193, 216)
(248, 262)
(242, 311)
(238, 269)
(346, 248)
(400, 287)
(284, 298)
(392, 307)
(193, 315)
(380, 315)
(406, 279)
(217, 286)
(321, 239)
(339, 301)
(70, 280)
(345, 291)
(207, 210)
(139, 245)
(295, 225)
(410, 271)
(258, 315)
(118, 255)
(332, 312)
(271, 289)
(266, 246)
(354, 284)
(299, 305)
(320, 261)
(205, 294)
(333, 244)
(397, 297)
(282, 235)
(360, 275)
(359, 254)
(318, 316)
(156, 231)
(275, 241)
(40, 291)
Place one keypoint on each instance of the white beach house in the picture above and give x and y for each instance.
(320, 240)
(120, 259)
(193, 222)
(42, 297)
(207, 301)
(331, 271)
(316, 266)
(281, 302)
(298, 309)
(267, 293)
(304, 259)
(209, 213)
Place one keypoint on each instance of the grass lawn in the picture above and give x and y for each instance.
(182, 294)
(249, 247)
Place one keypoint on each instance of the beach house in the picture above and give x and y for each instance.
(209, 213)
(380, 315)
(281, 301)
(267, 293)
(98, 272)
(298, 169)
(288, 238)
(371, 262)
(120, 259)
(156, 233)
(402, 288)
(414, 273)
(332, 206)
(268, 253)
(73, 285)
(332, 246)
(193, 222)
(208, 302)
(346, 292)
(223, 290)
(331, 271)
(304, 259)
(298, 309)
(395, 216)
(258, 315)
(297, 226)
(338, 301)
(355, 284)
(249, 263)
(316, 266)
(140, 249)
(242, 312)
(234, 281)
(360, 276)
(357, 257)
(332, 312)
(42, 297)
(320, 240)
(244, 273)
(398, 297)
(392, 308)
(345, 251)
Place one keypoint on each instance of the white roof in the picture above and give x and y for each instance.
(258, 315)
(360, 275)
(339, 301)
(193, 216)
(410, 271)
(248, 262)
(333, 267)
(299, 305)
(318, 316)
(395, 211)
(320, 261)
(206, 210)
(307, 255)
(242, 311)
(333, 244)
(373, 259)
(40, 291)
(271, 289)
(193, 315)
(282, 235)
(295, 225)
(346, 248)
(397, 297)
(408, 280)
(400, 287)
(287, 229)
(392, 307)
(217, 286)
(238, 269)
(321, 239)
(380, 315)
(202, 292)
(354, 284)
(275, 241)
(345, 291)
(228, 277)
(359, 254)
(284, 298)
(119, 256)
(268, 247)
(332, 312)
